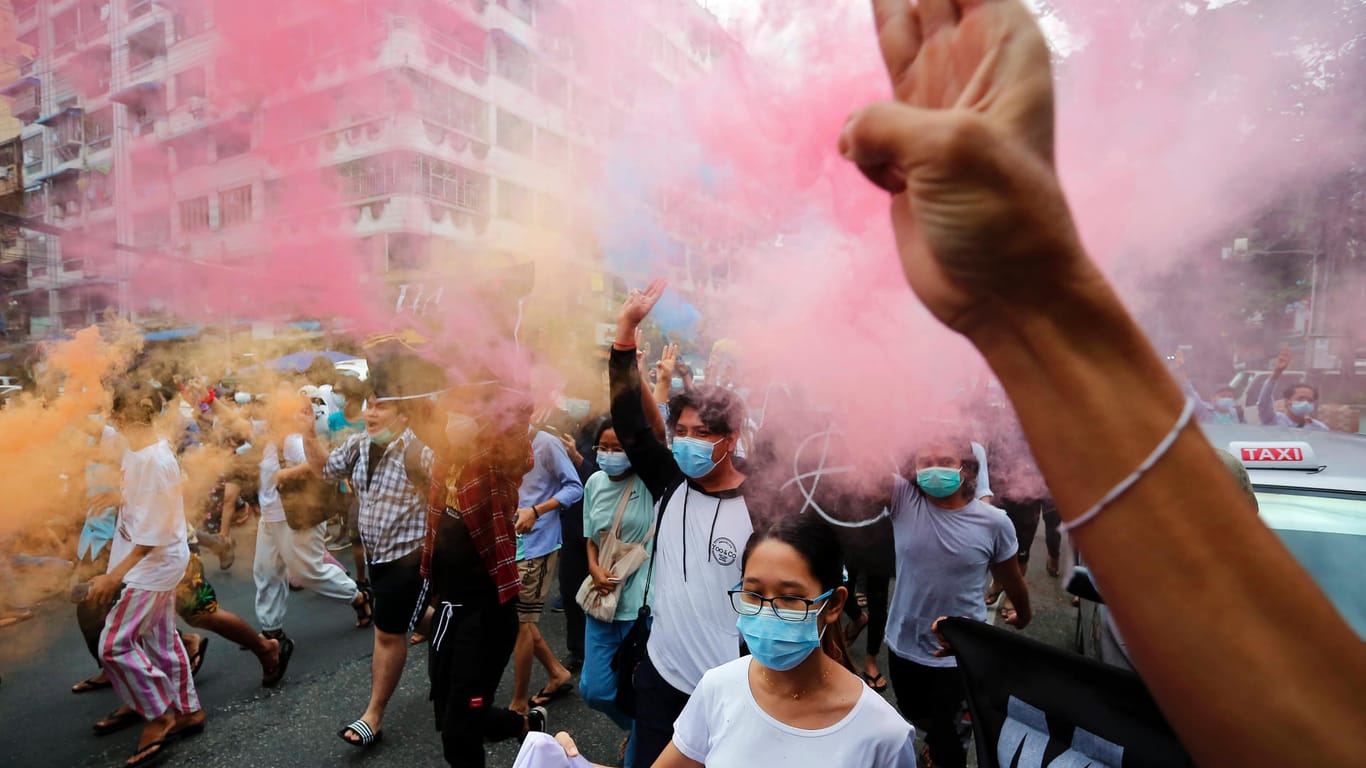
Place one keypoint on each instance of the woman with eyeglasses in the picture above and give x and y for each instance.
(786, 703)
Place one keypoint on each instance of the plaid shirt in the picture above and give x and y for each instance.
(483, 495)
(391, 520)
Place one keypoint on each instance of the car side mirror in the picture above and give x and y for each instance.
(1080, 584)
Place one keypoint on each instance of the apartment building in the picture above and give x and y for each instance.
(122, 142)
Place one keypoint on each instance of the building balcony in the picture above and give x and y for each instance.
(25, 98)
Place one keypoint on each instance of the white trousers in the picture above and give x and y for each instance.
(281, 552)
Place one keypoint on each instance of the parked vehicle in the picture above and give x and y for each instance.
(1247, 387)
(1311, 490)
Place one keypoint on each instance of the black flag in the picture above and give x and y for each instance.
(1036, 706)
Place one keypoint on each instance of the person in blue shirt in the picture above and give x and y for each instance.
(1224, 409)
(551, 485)
(1301, 401)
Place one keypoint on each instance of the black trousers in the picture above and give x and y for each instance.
(1025, 515)
(471, 643)
(658, 705)
(932, 697)
(573, 570)
(876, 590)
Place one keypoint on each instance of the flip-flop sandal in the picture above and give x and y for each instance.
(116, 721)
(417, 638)
(365, 614)
(272, 677)
(187, 731)
(545, 697)
(992, 597)
(368, 738)
(876, 682)
(158, 751)
(197, 660)
(90, 684)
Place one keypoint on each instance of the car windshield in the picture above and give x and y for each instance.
(1327, 534)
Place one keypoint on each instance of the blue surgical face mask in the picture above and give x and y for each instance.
(1302, 408)
(676, 383)
(693, 456)
(614, 463)
(939, 482)
(780, 644)
(383, 437)
(1224, 403)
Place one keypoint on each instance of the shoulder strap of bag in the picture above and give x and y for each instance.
(654, 546)
(412, 466)
(621, 510)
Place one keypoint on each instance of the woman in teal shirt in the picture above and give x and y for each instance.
(602, 497)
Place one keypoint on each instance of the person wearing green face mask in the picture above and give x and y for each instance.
(946, 540)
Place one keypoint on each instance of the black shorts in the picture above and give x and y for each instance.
(395, 587)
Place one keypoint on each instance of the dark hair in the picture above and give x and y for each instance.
(352, 386)
(720, 409)
(136, 404)
(816, 542)
(603, 427)
(971, 466)
(1290, 391)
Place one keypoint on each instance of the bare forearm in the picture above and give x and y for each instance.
(1008, 575)
(652, 415)
(138, 553)
(297, 471)
(593, 566)
(1066, 368)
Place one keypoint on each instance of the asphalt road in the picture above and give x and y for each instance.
(327, 686)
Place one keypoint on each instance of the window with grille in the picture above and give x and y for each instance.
(194, 215)
(452, 184)
(234, 206)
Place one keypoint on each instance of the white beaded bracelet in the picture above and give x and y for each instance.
(1128, 482)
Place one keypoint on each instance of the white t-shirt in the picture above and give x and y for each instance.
(722, 726)
(540, 750)
(701, 539)
(272, 511)
(983, 474)
(942, 557)
(153, 515)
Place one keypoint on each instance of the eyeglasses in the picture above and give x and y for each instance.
(785, 607)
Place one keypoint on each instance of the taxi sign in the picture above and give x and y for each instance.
(1275, 455)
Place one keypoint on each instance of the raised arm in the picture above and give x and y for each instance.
(1203, 410)
(1266, 408)
(650, 458)
(664, 372)
(987, 243)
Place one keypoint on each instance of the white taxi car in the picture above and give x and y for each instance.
(1311, 490)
